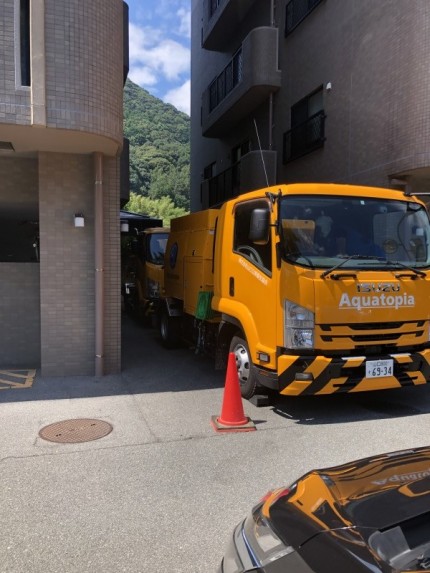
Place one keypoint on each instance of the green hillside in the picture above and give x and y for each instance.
(159, 137)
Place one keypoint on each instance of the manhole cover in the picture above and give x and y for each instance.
(76, 431)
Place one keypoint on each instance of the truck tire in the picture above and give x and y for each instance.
(247, 378)
(169, 329)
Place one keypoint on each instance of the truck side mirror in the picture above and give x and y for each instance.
(259, 226)
(134, 247)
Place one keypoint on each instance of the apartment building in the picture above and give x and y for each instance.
(63, 64)
(309, 90)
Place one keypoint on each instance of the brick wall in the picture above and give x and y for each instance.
(84, 65)
(66, 264)
(14, 103)
(66, 186)
(19, 315)
(375, 55)
(112, 266)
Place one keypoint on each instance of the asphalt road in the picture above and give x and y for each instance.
(162, 492)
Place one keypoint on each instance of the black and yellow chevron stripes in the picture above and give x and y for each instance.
(330, 375)
(16, 379)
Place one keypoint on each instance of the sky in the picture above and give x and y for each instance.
(160, 49)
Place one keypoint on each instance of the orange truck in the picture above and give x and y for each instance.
(143, 273)
(316, 288)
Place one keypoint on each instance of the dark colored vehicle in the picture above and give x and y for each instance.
(369, 515)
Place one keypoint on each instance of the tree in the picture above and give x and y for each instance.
(159, 138)
(163, 208)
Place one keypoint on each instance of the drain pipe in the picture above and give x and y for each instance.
(99, 261)
(271, 121)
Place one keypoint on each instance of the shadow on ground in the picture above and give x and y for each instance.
(148, 367)
(342, 408)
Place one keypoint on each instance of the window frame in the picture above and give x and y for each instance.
(22, 44)
(312, 122)
(265, 251)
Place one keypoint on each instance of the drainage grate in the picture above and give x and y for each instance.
(76, 431)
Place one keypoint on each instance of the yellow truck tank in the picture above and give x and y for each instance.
(189, 266)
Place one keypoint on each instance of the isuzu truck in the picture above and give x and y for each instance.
(316, 288)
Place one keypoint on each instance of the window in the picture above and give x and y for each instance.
(236, 155)
(296, 11)
(209, 171)
(307, 127)
(259, 254)
(24, 45)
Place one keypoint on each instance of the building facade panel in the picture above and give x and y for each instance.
(14, 99)
(66, 264)
(19, 307)
(369, 62)
(51, 130)
(84, 66)
(112, 265)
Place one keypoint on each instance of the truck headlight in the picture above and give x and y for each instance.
(299, 326)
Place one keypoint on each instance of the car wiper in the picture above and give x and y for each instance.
(409, 268)
(349, 258)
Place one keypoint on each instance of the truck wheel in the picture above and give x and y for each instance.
(169, 329)
(247, 379)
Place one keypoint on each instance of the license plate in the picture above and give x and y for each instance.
(379, 368)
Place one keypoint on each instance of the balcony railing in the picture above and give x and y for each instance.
(256, 169)
(296, 11)
(218, 189)
(229, 78)
(305, 137)
(243, 84)
(221, 19)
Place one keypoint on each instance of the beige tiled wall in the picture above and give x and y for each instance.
(67, 267)
(84, 65)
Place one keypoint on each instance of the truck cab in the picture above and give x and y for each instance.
(316, 288)
(143, 279)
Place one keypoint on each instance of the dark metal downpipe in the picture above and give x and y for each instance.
(99, 263)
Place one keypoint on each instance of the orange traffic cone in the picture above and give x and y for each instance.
(232, 418)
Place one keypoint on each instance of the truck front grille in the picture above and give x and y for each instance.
(359, 336)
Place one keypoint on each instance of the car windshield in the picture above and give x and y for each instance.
(318, 231)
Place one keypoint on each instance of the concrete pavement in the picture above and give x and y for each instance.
(162, 491)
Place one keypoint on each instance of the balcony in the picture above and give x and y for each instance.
(220, 21)
(247, 174)
(244, 84)
(304, 138)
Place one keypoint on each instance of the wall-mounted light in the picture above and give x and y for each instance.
(124, 227)
(79, 220)
(328, 86)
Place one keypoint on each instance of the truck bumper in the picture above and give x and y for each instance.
(304, 376)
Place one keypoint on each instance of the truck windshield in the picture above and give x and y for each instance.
(156, 247)
(318, 231)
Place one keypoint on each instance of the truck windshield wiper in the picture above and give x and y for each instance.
(346, 259)
(388, 262)
(413, 269)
